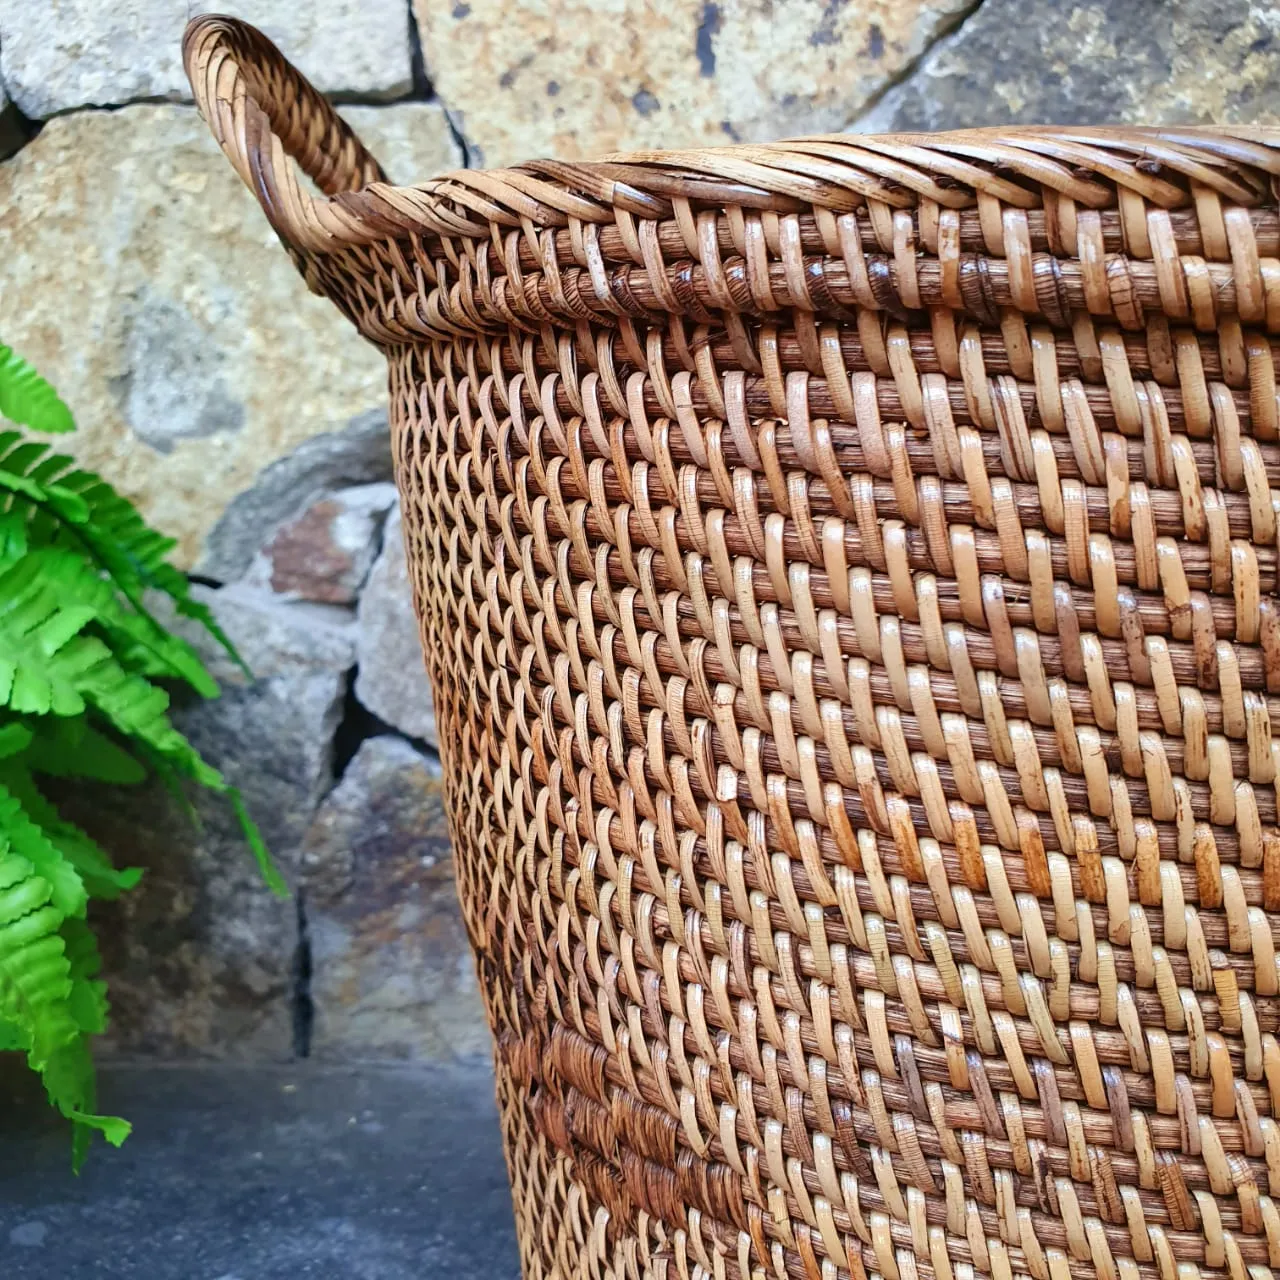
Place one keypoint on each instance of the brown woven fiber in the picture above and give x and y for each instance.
(847, 571)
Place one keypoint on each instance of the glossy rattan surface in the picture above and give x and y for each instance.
(847, 574)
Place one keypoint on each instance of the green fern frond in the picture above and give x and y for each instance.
(88, 998)
(23, 837)
(14, 738)
(48, 667)
(23, 456)
(60, 507)
(89, 860)
(70, 747)
(71, 1085)
(257, 845)
(35, 974)
(135, 555)
(26, 398)
(13, 1038)
(13, 537)
(79, 650)
(137, 639)
(45, 664)
(60, 504)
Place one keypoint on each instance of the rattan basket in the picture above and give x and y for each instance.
(847, 571)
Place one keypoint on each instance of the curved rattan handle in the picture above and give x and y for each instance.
(265, 113)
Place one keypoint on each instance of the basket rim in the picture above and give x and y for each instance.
(841, 171)
(838, 172)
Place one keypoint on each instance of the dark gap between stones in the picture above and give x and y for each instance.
(469, 159)
(16, 131)
(358, 724)
(303, 1009)
(417, 63)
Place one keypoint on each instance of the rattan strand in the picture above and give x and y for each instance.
(847, 571)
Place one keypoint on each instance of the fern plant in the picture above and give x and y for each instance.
(81, 656)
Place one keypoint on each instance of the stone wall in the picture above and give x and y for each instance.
(246, 417)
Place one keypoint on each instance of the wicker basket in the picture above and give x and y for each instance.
(847, 571)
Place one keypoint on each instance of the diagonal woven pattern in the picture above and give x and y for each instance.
(847, 571)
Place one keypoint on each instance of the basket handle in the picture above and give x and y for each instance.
(266, 114)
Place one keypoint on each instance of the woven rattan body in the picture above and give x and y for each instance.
(847, 574)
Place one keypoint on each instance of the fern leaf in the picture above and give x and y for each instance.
(135, 555)
(81, 508)
(13, 1038)
(14, 738)
(34, 678)
(113, 1128)
(71, 747)
(23, 457)
(258, 846)
(67, 892)
(102, 880)
(88, 998)
(17, 483)
(62, 503)
(137, 639)
(71, 1085)
(52, 466)
(40, 1010)
(26, 398)
(139, 710)
(46, 665)
(90, 861)
(13, 537)
(35, 975)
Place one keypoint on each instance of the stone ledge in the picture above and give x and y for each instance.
(56, 57)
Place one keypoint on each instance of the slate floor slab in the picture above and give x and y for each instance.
(276, 1173)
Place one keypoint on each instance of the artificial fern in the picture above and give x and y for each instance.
(79, 657)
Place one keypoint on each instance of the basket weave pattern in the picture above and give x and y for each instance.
(847, 574)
